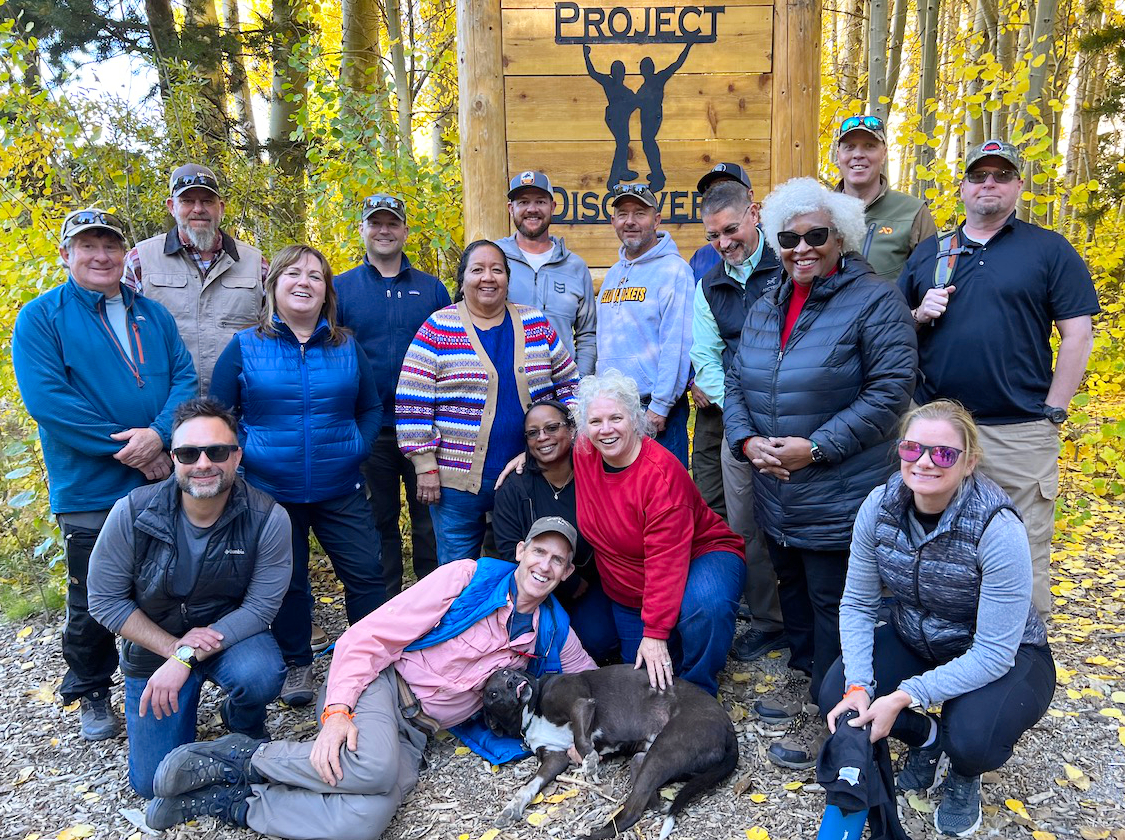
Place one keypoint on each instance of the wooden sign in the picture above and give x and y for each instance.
(600, 92)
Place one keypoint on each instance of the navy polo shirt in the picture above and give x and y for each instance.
(991, 350)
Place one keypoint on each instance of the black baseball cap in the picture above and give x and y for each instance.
(381, 201)
(724, 172)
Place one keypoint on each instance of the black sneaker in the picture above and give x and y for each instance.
(923, 769)
(96, 718)
(754, 644)
(959, 813)
(205, 763)
(227, 802)
(801, 746)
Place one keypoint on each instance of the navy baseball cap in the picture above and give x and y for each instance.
(530, 179)
(724, 172)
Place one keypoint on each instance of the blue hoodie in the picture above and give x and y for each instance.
(644, 322)
(81, 387)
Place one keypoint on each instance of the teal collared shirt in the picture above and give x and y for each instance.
(706, 343)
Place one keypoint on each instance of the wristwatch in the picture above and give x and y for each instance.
(186, 655)
(818, 455)
(1055, 414)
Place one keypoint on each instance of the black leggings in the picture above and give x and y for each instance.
(979, 730)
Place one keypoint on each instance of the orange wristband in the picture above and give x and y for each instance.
(327, 713)
(854, 689)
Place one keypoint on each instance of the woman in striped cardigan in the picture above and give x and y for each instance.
(471, 371)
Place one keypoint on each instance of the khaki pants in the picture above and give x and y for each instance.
(1023, 458)
(297, 804)
(761, 579)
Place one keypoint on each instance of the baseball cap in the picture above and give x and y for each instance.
(870, 124)
(993, 148)
(724, 172)
(554, 525)
(530, 178)
(381, 201)
(640, 192)
(190, 176)
(90, 218)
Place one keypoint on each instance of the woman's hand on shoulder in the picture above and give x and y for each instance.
(515, 465)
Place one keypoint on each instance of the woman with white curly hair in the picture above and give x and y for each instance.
(671, 567)
(825, 367)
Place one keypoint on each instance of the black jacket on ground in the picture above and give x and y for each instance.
(843, 380)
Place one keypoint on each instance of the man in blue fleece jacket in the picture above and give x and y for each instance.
(644, 315)
(100, 370)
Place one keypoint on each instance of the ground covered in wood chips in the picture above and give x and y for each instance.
(1067, 778)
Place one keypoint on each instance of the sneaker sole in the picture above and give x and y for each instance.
(100, 736)
(758, 653)
(967, 831)
(297, 700)
(792, 765)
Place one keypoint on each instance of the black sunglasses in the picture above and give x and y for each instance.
(630, 189)
(93, 217)
(549, 428)
(1000, 176)
(813, 238)
(216, 452)
(852, 123)
(198, 180)
(942, 456)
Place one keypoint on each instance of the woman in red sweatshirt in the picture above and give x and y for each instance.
(672, 568)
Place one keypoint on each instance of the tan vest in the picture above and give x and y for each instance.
(210, 311)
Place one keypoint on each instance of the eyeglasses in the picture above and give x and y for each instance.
(383, 202)
(852, 123)
(197, 180)
(550, 429)
(91, 217)
(217, 453)
(942, 456)
(1000, 176)
(729, 230)
(813, 238)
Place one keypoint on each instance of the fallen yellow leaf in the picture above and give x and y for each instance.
(537, 819)
(1072, 772)
(24, 633)
(1093, 833)
(1042, 835)
(1118, 697)
(740, 677)
(491, 834)
(24, 775)
(561, 797)
(462, 837)
(1110, 712)
(757, 833)
(462, 751)
(1017, 807)
(758, 798)
(793, 785)
(1121, 735)
(919, 804)
(75, 832)
(667, 793)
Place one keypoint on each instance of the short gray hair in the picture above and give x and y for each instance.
(799, 196)
(723, 196)
(616, 386)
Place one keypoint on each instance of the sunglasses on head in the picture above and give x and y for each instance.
(93, 217)
(216, 452)
(1000, 176)
(383, 202)
(942, 456)
(630, 189)
(852, 123)
(549, 428)
(197, 180)
(813, 238)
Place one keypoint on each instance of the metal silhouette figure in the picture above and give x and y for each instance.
(621, 102)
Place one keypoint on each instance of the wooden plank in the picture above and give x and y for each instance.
(744, 45)
(696, 107)
(793, 145)
(481, 115)
(546, 4)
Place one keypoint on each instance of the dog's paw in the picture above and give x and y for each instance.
(511, 813)
(591, 765)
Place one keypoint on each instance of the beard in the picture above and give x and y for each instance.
(202, 239)
(185, 483)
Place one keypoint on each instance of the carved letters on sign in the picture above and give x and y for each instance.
(576, 24)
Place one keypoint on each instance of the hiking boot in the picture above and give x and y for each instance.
(300, 686)
(191, 767)
(959, 813)
(320, 640)
(754, 644)
(779, 709)
(923, 769)
(96, 717)
(227, 802)
(801, 745)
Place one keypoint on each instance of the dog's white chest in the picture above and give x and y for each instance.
(541, 732)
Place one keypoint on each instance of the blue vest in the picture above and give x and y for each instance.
(486, 593)
(298, 426)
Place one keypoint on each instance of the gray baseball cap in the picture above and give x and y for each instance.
(554, 525)
(192, 175)
(530, 179)
(381, 201)
(90, 218)
(640, 192)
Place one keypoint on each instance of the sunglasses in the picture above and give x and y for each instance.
(631, 189)
(91, 217)
(813, 238)
(384, 202)
(217, 453)
(1000, 176)
(550, 428)
(942, 456)
(198, 180)
(852, 123)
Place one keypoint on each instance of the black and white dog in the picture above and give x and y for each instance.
(682, 733)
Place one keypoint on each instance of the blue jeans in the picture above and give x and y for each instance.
(459, 523)
(250, 672)
(705, 628)
(346, 530)
(591, 619)
(674, 438)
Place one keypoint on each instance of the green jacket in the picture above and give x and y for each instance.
(900, 222)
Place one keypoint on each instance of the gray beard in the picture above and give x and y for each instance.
(185, 485)
(201, 240)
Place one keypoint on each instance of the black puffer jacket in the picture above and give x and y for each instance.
(845, 377)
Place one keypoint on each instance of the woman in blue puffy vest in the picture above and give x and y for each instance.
(950, 546)
(308, 409)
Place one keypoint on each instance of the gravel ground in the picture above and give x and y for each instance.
(1065, 780)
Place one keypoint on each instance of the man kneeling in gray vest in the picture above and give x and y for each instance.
(190, 572)
(415, 665)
